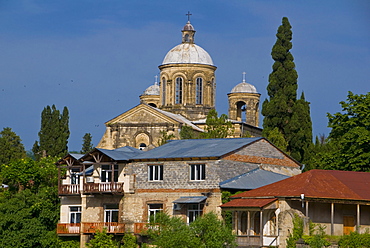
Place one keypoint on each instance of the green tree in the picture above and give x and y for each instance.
(282, 110)
(86, 145)
(54, 133)
(11, 147)
(348, 142)
(165, 137)
(29, 209)
(217, 127)
(205, 231)
(188, 133)
(102, 240)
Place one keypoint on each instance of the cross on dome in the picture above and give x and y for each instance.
(188, 14)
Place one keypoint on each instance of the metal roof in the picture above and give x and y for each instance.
(253, 179)
(190, 199)
(195, 148)
(121, 154)
(325, 184)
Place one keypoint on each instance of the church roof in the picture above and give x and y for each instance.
(187, 53)
(253, 179)
(179, 118)
(195, 148)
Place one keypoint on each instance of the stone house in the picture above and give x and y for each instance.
(337, 200)
(121, 189)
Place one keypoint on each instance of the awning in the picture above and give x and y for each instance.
(88, 171)
(190, 199)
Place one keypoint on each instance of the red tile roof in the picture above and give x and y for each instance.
(249, 202)
(347, 185)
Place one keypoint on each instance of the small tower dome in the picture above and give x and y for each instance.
(244, 101)
(151, 94)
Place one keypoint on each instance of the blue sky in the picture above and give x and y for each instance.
(97, 57)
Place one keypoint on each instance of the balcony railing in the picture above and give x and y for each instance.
(111, 227)
(69, 189)
(140, 227)
(69, 228)
(103, 188)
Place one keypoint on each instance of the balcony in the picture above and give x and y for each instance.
(111, 227)
(69, 189)
(69, 228)
(114, 188)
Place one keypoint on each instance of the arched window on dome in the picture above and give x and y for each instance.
(178, 91)
(199, 91)
(163, 91)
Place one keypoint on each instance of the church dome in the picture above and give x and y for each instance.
(244, 87)
(187, 53)
(152, 90)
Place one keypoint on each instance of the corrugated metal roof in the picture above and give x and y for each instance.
(121, 154)
(253, 179)
(196, 148)
(249, 203)
(76, 156)
(329, 184)
(190, 199)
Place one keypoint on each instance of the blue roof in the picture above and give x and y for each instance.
(190, 199)
(76, 156)
(253, 179)
(196, 148)
(122, 153)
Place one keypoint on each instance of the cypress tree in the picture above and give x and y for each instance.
(86, 145)
(283, 111)
(54, 133)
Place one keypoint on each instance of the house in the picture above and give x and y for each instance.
(337, 200)
(121, 189)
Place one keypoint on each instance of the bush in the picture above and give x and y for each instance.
(354, 240)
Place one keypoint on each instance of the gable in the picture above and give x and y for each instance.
(142, 114)
(262, 152)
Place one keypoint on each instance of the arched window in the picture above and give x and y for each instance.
(178, 91)
(199, 91)
(163, 91)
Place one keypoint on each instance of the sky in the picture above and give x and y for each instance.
(97, 57)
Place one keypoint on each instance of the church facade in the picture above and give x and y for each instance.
(183, 97)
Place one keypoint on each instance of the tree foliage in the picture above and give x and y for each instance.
(11, 146)
(29, 209)
(87, 143)
(283, 111)
(348, 146)
(216, 127)
(54, 133)
(205, 231)
(102, 240)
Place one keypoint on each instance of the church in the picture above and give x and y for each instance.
(183, 96)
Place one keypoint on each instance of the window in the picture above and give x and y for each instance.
(197, 172)
(194, 210)
(155, 172)
(111, 213)
(153, 210)
(198, 92)
(178, 91)
(163, 91)
(75, 178)
(75, 214)
(106, 173)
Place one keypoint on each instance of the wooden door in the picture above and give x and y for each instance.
(348, 224)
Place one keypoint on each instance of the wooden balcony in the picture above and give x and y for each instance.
(69, 189)
(111, 227)
(68, 228)
(140, 227)
(114, 188)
